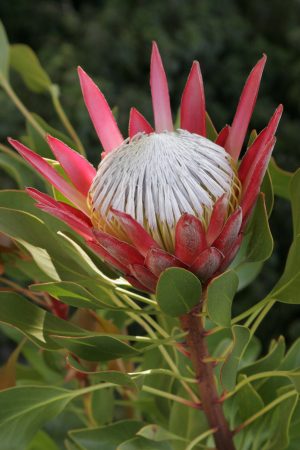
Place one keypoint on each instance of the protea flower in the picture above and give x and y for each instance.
(162, 197)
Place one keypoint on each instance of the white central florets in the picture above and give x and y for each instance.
(157, 177)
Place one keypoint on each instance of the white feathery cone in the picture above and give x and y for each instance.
(156, 178)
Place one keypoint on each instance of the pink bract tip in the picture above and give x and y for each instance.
(192, 109)
(160, 93)
(100, 113)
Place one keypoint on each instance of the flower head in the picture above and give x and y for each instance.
(161, 197)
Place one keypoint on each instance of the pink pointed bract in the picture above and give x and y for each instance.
(192, 110)
(204, 244)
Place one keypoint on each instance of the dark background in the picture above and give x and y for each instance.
(111, 40)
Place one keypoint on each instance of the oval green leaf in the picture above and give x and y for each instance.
(178, 291)
(220, 294)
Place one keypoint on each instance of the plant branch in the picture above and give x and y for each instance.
(192, 323)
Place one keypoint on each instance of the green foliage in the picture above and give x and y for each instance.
(178, 291)
(136, 388)
(241, 337)
(260, 245)
(106, 438)
(220, 295)
(24, 61)
(26, 409)
(4, 52)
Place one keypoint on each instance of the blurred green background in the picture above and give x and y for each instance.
(111, 40)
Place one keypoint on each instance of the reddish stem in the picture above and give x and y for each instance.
(210, 401)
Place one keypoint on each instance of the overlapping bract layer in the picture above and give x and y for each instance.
(205, 248)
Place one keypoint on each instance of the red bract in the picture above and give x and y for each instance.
(199, 232)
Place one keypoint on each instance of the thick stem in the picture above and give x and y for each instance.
(210, 402)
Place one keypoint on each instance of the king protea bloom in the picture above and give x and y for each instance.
(162, 197)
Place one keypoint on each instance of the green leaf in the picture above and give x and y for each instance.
(157, 433)
(291, 360)
(140, 443)
(295, 201)
(42, 259)
(26, 63)
(267, 189)
(62, 250)
(42, 441)
(220, 294)
(212, 133)
(103, 406)
(252, 137)
(29, 319)
(24, 410)
(247, 273)
(241, 337)
(280, 424)
(105, 438)
(270, 361)
(4, 52)
(178, 291)
(288, 287)
(51, 332)
(260, 245)
(74, 294)
(96, 347)
(247, 401)
(185, 422)
(8, 370)
(280, 180)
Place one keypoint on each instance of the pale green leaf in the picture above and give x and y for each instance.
(220, 294)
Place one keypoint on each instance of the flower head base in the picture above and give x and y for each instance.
(157, 177)
(161, 198)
